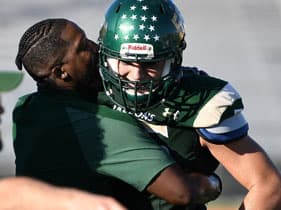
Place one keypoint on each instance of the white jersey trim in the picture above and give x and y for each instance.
(228, 125)
(211, 112)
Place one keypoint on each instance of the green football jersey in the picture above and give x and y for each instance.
(63, 139)
(195, 102)
(196, 105)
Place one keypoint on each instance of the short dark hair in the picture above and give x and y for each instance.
(41, 46)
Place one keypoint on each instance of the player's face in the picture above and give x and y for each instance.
(82, 56)
(140, 71)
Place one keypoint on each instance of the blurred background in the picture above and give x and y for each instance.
(236, 40)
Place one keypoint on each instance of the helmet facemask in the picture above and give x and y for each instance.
(135, 96)
(127, 36)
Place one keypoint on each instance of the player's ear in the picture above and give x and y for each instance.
(64, 75)
(59, 72)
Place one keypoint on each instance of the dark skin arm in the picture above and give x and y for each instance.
(172, 186)
(182, 188)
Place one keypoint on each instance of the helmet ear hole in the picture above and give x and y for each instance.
(118, 8)
(162, 10)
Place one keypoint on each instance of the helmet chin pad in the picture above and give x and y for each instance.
(112, 63)
(167, 67)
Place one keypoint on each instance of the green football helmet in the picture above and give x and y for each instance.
(141, 31)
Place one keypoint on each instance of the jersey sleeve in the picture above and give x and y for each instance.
(126, 151)
(228, 130)
(225, 103)
(226, 109)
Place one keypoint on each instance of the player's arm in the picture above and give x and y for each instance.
(171, 185)
(250, 166)
(230, 144)
(129, 154)
(132, 156)
(20, 193)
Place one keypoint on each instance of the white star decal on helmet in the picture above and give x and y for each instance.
(133, 7)
(142, 27)
(131, 27)
(151, 28)
(154, 18)
(133, 17)
(126, 37)
(144, 8)
(156, 38)
(143, 18)
(136, 37)
(146, 37)
(148, 25)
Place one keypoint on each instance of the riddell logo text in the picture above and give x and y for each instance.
(138, 47)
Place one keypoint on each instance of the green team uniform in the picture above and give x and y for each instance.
(63, 139)
(197, 105)
(141, 52)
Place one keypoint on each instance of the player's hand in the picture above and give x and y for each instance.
(205, 188)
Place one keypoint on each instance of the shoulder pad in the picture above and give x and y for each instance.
(202, 102)
(226, 131)
(224, 104)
